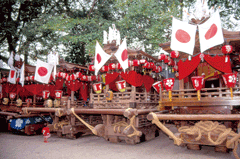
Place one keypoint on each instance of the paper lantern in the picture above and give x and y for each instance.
(171, 62)
(168, 84)
(130, 63)
(64, 75)
(91, 78)
(79, 75)
(4, 79)
(46, 94)
(167, 59)
(112, 66)
(147, 65)
(136, 62)
(152, 65)
(197, 82)
(175, 68)
(31, 78)
(227, 49)
(174, 54)
(84, 78)
(91, 68)
(97, 87)
(121, 85)
(230, 81)
(12, 95)
(104, 69)
(157, 86)
(58, 94)
(119, 67)
(98, 78)
(59, 74)
(27, 78)
(162, 57)
(142, 61)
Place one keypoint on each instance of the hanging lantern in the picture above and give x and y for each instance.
(167, 59)
(174, 54)
(227, 49)
(147, 65)
(175, 68)
(79, 75)
(98, 78)
(162, 57)
(31, 78)
(168, 84)
(119, 67)
(97, 87)
(58, 94)
(91, 78)
(130, 63)
(91, 68)
(230, 80)
(4, 79)
(171, 62)
(59, 74)
(84, 78)
(143, 61)
(136, 62)
(27, 78)
(157, 86)
(121, 85)
(12, 95)
(64, 75)
(46, 94)
(198, 84)
(112, 66)
(152, 65)
(104, 69)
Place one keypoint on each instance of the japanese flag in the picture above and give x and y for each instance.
(12, 76)
(101, 57)
(22, 74)
(210, 32)
(122, 54)
(183, 36)
(43, 71)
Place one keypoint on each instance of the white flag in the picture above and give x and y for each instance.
(43, 71)
(53, 60)
(22, 74)
(110, 35)
(105, 37)
(10, 60)
(210, 32)
(101, 57)
(183, 36)
(1, 63)
(118, 41)
(163, 52)
(122, 54)
(12, 76)
(17, 57)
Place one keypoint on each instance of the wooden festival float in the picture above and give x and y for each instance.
(14, 97)
(205, 99)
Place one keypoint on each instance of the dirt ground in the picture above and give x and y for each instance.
(15, 146)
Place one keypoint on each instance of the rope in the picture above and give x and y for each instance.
(26, 112)
(86, 124)
(59, 112)
(60, 124)
(156, 121)
(208, 128)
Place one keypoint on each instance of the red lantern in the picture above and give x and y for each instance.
(152, 65)
(91, 78)
(171, 62)
(162, 57)
(119, 67)
(121, 85)
(97, 87)
(227, 49)
(59, 74)
(31, 78)
(84, 78)
(136, 62)
(130, 63)
(104, 69)
(68, 78)
(27, 78)
(46, 94)
(64, 75)
(79, 75)
(58, 94)
(142, 61)
(112, 66)
(157, 85)
(98, 78)
(174, 54)
(167, 59)
(198, 84)
(91, 68)
(147, 65)
(230, 80)
(175, 68)
(168, 84)
(12, 95)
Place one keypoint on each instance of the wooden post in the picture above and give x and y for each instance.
(72, 97)
(181, 87)
(34, 100)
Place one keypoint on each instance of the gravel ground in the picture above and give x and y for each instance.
(14, 146)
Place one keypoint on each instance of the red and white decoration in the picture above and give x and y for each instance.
(174, 54)
(121, 85)
(122, 55)
(91, 68)
(46, 94)
(136, 62)
(12, 76)
(112, 66)
(97, 87)
(12, 95)
(227, 49)
(168, 84)
(210, 32)
(183, 36)
(43, 72)
(157, 86)
(230, 80)
(58, 94)
(198, 84)
(101, 57)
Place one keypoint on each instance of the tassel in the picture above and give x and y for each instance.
(198, 94)
(170, 95)
(231, 90)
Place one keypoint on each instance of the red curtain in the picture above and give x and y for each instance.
(218, 62)
(83, 92)
(73, 85)
(132, 78)
(147, 82)
(113, 86)
(110, 77)
(187, 67)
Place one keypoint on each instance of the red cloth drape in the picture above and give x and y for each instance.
(51, 88)
(218, 62)
(113, 86)
(35, 89)
(73, 85)
(147, 82)
(187, 67)
(83, 92)
(132, 78)
(110, 77)
(59, 84)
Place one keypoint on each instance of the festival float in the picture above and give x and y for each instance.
(205, 102)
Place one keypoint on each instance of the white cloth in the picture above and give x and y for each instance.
(122, 55)
(17, 57)
(110, 35)
(12, 75)
(10, 60)
(1, 63)
(118, 40)
(183, 36)
(163, 52)
(210, 32)
(101, 57)
(53, 60)
(22, 75)
(43, 71)
(105, 37)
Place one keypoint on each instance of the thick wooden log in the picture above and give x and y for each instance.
(196, 117)
(97, 111)
(49, 110)
(8, 113)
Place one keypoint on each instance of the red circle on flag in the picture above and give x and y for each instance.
(99, 58)
(12, 73)
(124, 55)
(212, 31)
(182, 36)
(42, 71)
